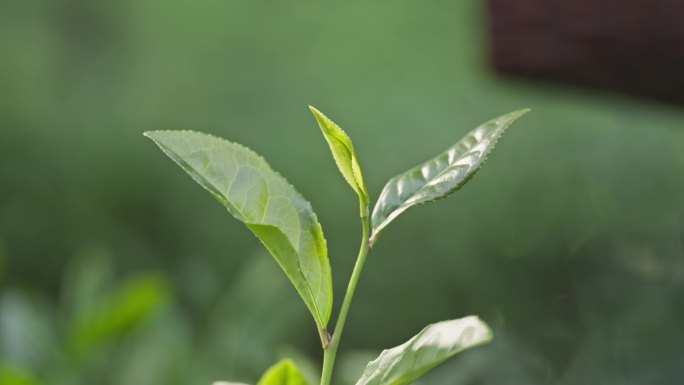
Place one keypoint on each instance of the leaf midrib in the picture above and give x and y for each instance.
(209, 187)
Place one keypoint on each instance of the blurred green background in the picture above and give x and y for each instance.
(115, 268)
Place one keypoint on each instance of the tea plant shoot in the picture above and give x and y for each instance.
(286, 224)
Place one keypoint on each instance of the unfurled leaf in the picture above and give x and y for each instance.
(343, 153)
(283, 373)
(432, 346)
(440, 176)
(266, 203)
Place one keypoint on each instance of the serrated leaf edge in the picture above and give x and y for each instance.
(375, 232)
(325, 316)
(487, 339)
(359, 185)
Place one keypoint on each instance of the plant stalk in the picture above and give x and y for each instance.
(330, 351)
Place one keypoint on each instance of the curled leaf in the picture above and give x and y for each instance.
(343, 152)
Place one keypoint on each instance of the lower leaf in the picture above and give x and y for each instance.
(435, 344)
(284, 372)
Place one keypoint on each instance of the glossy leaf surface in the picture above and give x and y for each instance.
(433, 345)
(441, 176)
(268, 205)
(283, 373)
(343, 152)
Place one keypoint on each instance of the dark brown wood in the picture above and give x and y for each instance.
(634, 46)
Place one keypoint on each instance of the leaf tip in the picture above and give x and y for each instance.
(320, 117)
(155, 134)
(521, 112)
(315, 111)
(489, 334)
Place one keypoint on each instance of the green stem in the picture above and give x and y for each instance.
(330, 351)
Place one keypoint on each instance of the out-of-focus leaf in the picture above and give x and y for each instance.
(161, 352)
(27, 329)
(2, 259)
(344, 154)
(246, 337)
(12, 375)
(119, 312)
(439, 176)
(262, 199)
(308, 366)
(283, 373)
(435, 344)
(86, 280)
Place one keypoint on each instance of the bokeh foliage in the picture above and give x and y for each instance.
(570, 242)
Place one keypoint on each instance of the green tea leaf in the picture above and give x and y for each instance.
(283, 373)
(343, 153)
(86, 280)
(28, 334)
(268, 205)
(15, 375)
(432, 346)
(119, 312)
(440, 176)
